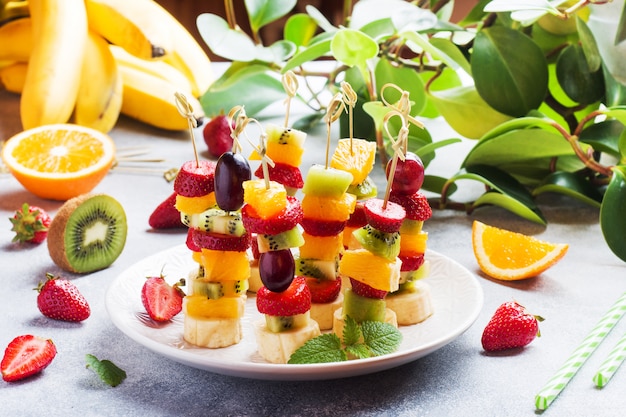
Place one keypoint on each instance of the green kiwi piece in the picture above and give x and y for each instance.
(326, 182)
(363, 308)
(284, 135)
(216, 221)
(411, 227)
(215, 290)
(291, 238)
(317, 268)
(386, 245)
(88, 233)
(365, 189)
(277, 324)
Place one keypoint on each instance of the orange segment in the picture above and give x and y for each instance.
(267, 202)
(199, 306)
(328, 208)
(285, 153)
(357, 159)
(225, 265)
(507, 255)
(413, 244)
(321, 247)
(373, 270)
(195, 205)
(59, 161)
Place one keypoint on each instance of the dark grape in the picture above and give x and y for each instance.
(277, 269)
(409, 174)
(231, 171)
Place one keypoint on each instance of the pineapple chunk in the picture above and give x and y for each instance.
(267, 202)
(225, 265)
(327, 208)
(413, 245)
(195, 205)
(373, 270)
(326, 248)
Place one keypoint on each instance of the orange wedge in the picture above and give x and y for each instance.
(59, 161)
(510, 256)
(355, 156)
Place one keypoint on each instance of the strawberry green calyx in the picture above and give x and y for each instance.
(30, 224)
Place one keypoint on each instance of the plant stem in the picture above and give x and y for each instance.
(230, 14)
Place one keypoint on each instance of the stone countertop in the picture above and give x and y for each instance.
(457, 380)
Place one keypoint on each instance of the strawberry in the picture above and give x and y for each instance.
(511, 326)
(386, 218)
(166, 216)
(316, 227)
(357, 218)
(286, 220)
(195, 179)
(416, 205)
(254, 246)
(294, 300)
(288, 175)
(365, 290)
(191, 245)
(219, 241)
(161, 300)
(411, 263)
(30, 224)
(60, 299)
(25, 356)
(323, 290)
(217, 135)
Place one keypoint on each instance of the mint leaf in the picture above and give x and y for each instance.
(359, 351)
(351, 331)
(321, 349)
(381, 338)
(108, 372)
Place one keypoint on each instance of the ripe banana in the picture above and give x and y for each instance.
(131, 24)
(150, 99)
(12, 77)
(16, 40)
(158, 68)
(53, 76)
(99, 100)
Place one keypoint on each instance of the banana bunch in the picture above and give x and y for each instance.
(89, 61)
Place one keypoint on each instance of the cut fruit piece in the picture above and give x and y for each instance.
(412, 306)
(277, 324)
(225, 265)
(195, 205)
(386, 217)
(296, 299)
(409, 278)
(364, 190)
(326, 208)
(59, 161)
(266, 202)
(285, 220)
(326, 182)
(323, 290)
(288, 175)
(339, 321)
(349, 241)
(357, 218)
(411, 227)
(365, 290)
(507, 255)
(416, 205)
(216, 221)
(88, 233)
(292, 238)
(316, 268)
(318, 227)
(199, 306)
(373, 270)
(221, 242)
(362, 308)
(195, 178)
(218, 289)
(326, 248)
(278, 347)
(212, 333)
(284, 135)
(411, 263)
(413, 245)
(387, 245)
(283, 153)
(355, 156)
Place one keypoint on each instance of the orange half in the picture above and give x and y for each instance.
(509, 256)
(59, 161)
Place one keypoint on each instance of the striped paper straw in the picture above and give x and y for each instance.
(611, 363)
(557, 383)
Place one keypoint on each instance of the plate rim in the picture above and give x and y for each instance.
(291, 372)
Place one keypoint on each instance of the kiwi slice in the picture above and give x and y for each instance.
(326, 182)
(291, 238)
(277, 324)
(363, 308)
(365, 189)
(386, 245)
(88, 233)
(216, 290)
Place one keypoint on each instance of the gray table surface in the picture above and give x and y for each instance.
(456, 380)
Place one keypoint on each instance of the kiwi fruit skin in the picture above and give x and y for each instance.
(72, 216)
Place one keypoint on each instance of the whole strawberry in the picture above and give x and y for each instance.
(511, 326)
(25, 356)
(161, 300)
(165, 215)
(30, 224)
(60, 299)
(217, 136)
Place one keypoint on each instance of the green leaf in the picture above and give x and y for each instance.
(321, 349)
(351, 331)
(379, 29)
(311, 53)
(359, 350)
(381, 338)
(234, 45)
(299, 29)
(589, 46)
(405, 78)
(262, 12)
(422, 42)
(108, 372)
(447, 47)
(320, 19)
(277, 52)
(435, 184)
(604, 136)
(509, 70)
(508, 203)
(579, 82)
(572, 185)
(612, 219)
(353, 48)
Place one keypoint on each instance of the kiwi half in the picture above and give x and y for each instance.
(88, 233)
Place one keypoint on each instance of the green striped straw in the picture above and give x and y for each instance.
(557, 383)
(611, 363)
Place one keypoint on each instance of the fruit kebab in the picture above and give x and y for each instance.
(412, 301)
(326, 207)
(210, 198)
(285, 147)
(284, 300)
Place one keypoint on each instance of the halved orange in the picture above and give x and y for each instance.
(355, 156)
(59, 161)
(509, 256)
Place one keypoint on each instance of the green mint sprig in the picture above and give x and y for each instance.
(108, 372)
(365, 340)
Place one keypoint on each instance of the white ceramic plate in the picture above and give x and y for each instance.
(457, 300)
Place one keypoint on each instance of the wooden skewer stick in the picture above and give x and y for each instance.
(186, 110)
